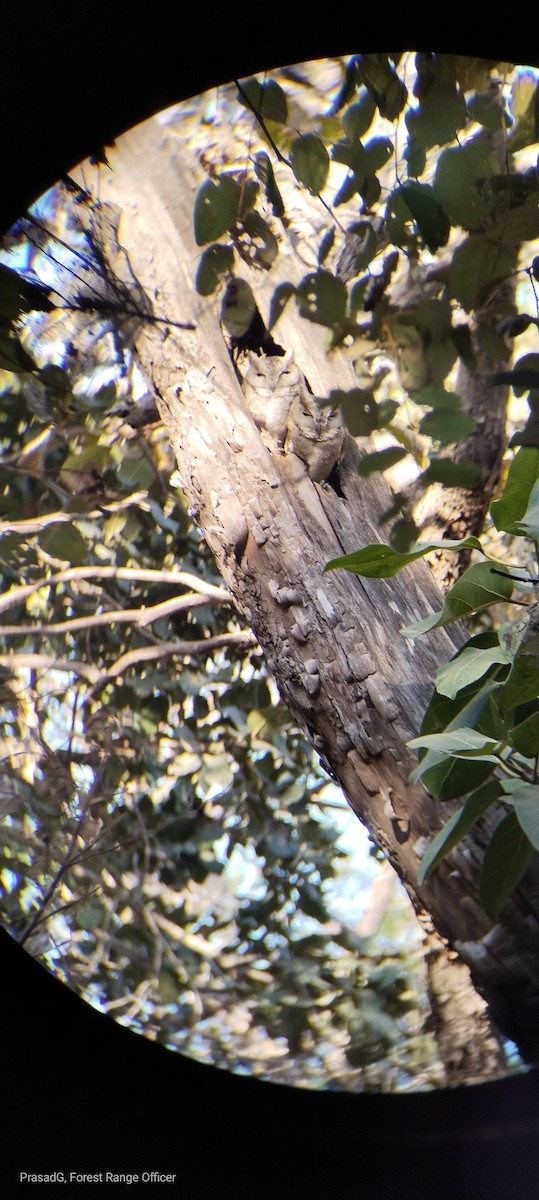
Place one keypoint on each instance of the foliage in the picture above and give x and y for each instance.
(483, 720)
(136, 797)
(166, 846)
(422, 229)
(459, 220)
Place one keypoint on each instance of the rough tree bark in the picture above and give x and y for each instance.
(332, 640)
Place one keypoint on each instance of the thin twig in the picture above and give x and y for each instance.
(242, 637)
(56, 518)
(134, 574)
(133, 616)
(99, 677)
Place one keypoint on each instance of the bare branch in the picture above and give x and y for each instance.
(48, 662)
(134, 616)
(139, 499)
(242, 637)
(98, 678)
(209, 590)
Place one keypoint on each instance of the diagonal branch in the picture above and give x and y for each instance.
(135, 574)
(134, 616)
(98, 678)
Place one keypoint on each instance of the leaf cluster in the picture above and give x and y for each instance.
(437, 218)
(480, 735)
(161, 842)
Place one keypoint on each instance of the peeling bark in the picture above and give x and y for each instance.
(468, 1046)
(332, 640)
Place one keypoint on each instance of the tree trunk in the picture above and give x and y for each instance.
(332, 640)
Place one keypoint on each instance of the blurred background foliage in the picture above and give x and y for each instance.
(167, 842)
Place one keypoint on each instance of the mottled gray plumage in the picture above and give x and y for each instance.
(281, 405)
(315, 435)
(270, 384)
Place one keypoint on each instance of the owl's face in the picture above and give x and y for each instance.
(273, 374)
(330, 418)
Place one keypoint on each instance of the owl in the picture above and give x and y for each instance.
(270, 385)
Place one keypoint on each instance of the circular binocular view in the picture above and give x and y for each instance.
(269, 519)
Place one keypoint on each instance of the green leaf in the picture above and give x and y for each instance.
(90, 916)
(93, 455)
(359, 410)
(446, 426)
(525, 801)
(446, 777)
(516, 222)
(454, 182)
(471, 664)
(379, 561)
(529, 435)
(462, 340)
(383, 83)
(64, 541)
(415, 155)
(523, 376)
(358, 118)
(442, 110)
(508, 511)
(216, 261)
(437, 397)
(451, 474)
(476, 267)
(321, 297)
(486, 110)
(279, 301)
(523, 682)
(478, 588)
(363, 162)
(13, 356)
(267, 100)
(525, 737)
(17, 295)
(457, 827)
(458, 743)
(309, 160)
(529, 523)
(264, 247)
(507, 856)
(216, 208)
(443, 713)
(473, 74)
(427, 212)
(136, 470)
(238, 307)
(380, 460)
